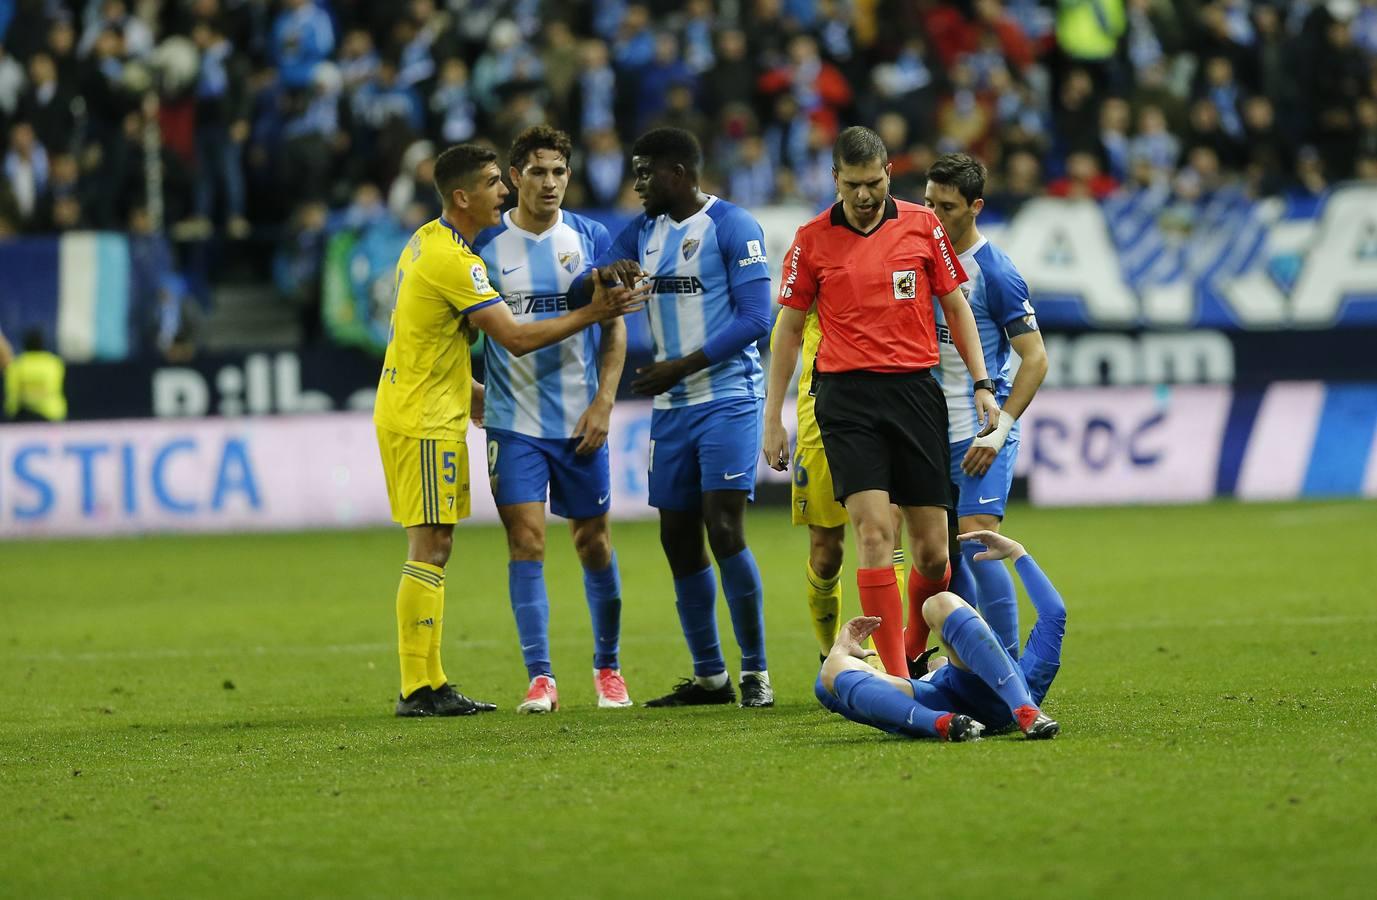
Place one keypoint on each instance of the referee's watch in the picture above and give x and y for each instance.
(984, 383)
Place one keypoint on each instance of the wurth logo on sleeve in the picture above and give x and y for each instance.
(940, 237)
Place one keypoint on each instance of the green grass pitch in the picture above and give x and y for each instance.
(211, 716)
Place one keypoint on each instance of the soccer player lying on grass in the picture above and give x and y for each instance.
(980, 687)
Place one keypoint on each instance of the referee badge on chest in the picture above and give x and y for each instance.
(906, 284)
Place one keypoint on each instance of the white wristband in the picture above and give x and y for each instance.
(995, 439)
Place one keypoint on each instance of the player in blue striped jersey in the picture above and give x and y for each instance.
(983, 467)
(547, 413)
(709, 305)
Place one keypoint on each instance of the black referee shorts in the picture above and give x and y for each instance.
(886, 432)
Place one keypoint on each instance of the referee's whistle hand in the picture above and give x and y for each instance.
(775, 447)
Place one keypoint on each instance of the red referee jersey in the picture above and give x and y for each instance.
(874, 291)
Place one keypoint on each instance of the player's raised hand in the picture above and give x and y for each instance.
(612, 300)
(853, 635)
(592, 427)
(997, 546)
(775, 446)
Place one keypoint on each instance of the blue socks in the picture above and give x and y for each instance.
(963, 582)
(531, 606)
(604, 592)
(971, 639)
(745, 599)
(869, 700)
(997, 601)
(696, 599)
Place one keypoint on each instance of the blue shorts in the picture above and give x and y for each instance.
(950, 689)
(987, 494)
(521, 468)
(708, 447)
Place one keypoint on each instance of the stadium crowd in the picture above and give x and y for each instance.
(262, 113)
(191, 124)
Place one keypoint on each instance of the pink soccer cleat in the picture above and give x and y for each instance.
(611, 689)
(541, 697)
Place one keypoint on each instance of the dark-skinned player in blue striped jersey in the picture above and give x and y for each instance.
(980, 687)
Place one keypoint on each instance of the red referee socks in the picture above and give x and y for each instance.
(919, 590)
(880, 597)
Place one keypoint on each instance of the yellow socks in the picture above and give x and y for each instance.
(824, 605)
(899, 571)
(420, 611)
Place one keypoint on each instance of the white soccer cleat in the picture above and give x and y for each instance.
(611, 689)
(541, 697)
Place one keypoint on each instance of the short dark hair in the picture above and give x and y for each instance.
(539, 137)
(34, 340)
(670, 145)
(858, 145)
(455, 168)
(961, 171)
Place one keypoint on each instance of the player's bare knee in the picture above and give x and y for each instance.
(593, 544)
(726, 537)
(526, 543)
(979, 523)
(832, 666)
(826, 547)
(930, 559)
(938, 607)
(436, 547)
(875, 541)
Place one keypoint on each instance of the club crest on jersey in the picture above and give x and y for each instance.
(570, 260)
(906, 285)
(689, 248)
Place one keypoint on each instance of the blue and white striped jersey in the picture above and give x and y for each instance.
(543, 393)
(695, 265)
(998, 297)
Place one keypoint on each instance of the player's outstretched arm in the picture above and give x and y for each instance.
(1032, 369)
(520, 338)
(967, 338)
(1044, 597)
(785, 344)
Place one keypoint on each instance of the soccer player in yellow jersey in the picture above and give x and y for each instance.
(443, 298)
(815, 506)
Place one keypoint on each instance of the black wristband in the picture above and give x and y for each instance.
(985, 383)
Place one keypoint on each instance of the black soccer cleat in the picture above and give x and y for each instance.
(1044, 727)
(690, 693)
(756, 692)
(449, 702)
(917, 668)
(963, 728)
(419, 704)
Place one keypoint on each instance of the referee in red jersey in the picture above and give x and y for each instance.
(872, 265)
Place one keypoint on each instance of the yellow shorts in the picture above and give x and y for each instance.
(427, 480)
(813, 502)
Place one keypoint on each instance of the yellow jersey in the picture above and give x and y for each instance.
(33, 383)
(427, 373)
(809, 435)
